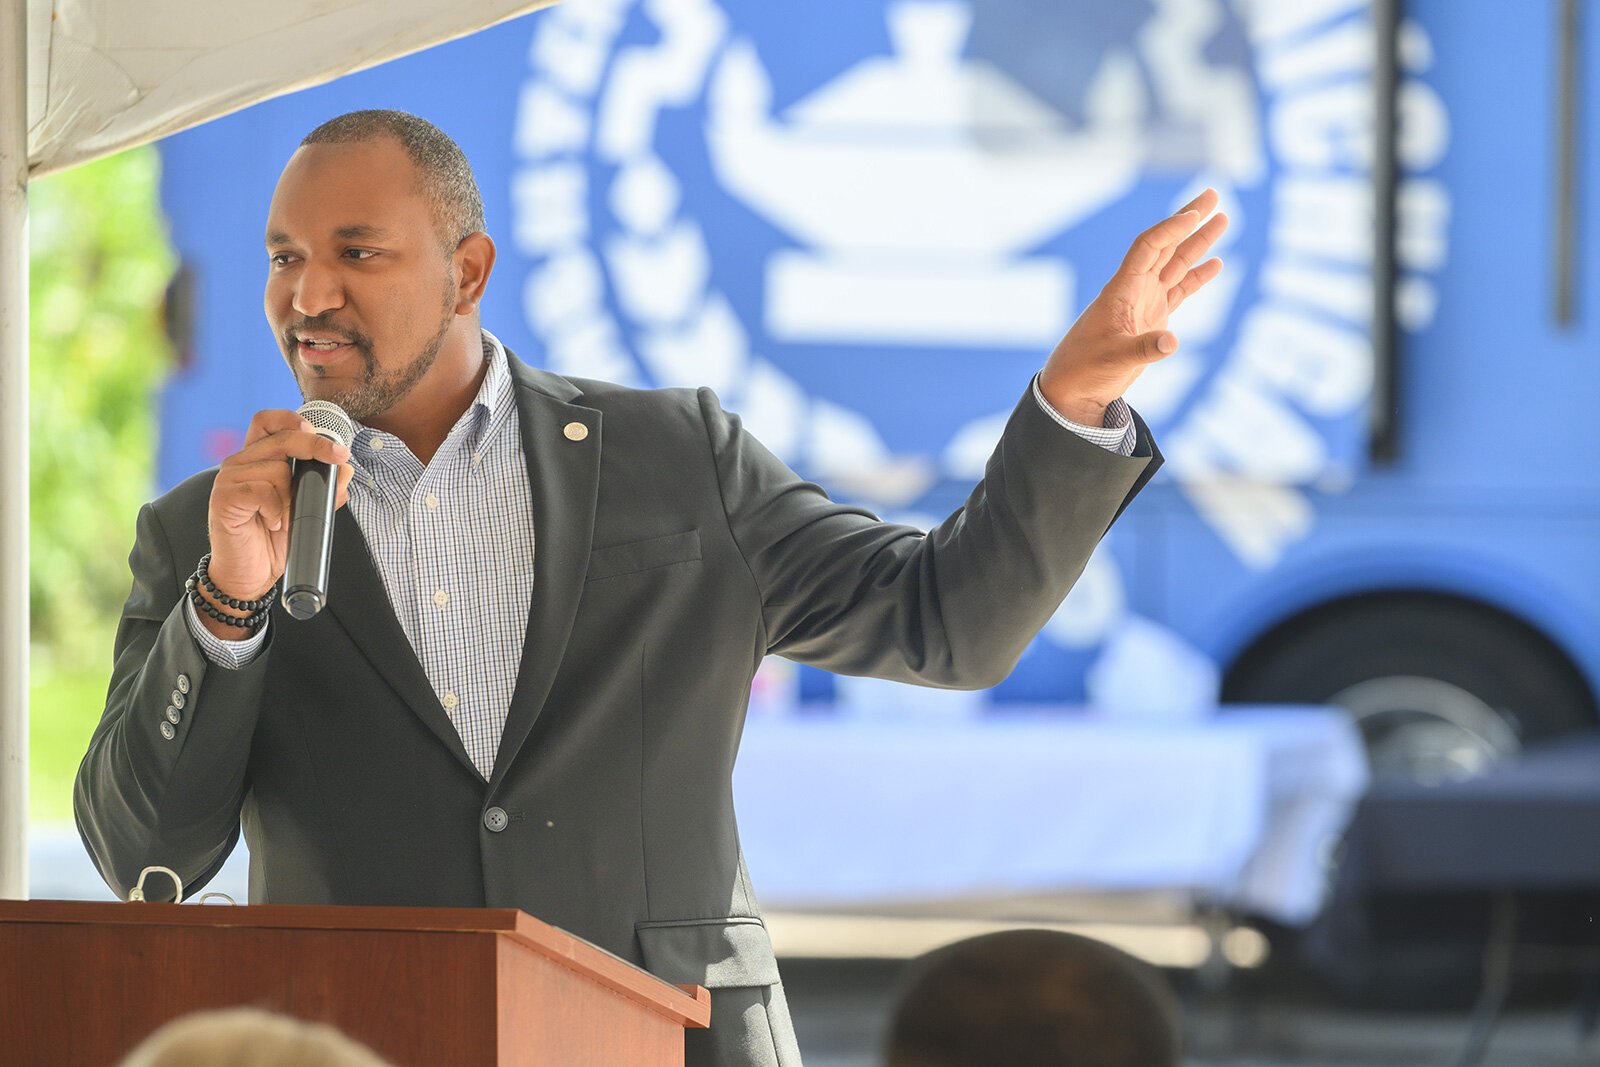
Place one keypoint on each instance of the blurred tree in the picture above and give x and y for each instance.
(99, 265)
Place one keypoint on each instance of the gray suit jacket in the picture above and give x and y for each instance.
(674, 552)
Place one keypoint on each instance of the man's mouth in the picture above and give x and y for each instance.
(321, 348)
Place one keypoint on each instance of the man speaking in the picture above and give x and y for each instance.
(548, 596)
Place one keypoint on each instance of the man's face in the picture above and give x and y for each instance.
(359, 291)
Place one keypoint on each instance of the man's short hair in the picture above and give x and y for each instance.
(442, 167)
(1034, 997)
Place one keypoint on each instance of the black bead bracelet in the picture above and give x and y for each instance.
(249, 622)
(252, 606)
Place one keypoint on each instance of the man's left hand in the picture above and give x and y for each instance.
(1125, 329)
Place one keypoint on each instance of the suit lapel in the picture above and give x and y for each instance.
(563, 477)
(359, 603)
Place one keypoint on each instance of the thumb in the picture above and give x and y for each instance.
(1156, 345)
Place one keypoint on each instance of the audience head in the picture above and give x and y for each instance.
(1034, 997)
(249, 1037)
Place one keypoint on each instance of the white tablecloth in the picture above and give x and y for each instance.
(833, 811)
(1239, 810)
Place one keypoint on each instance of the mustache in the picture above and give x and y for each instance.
(321, 325)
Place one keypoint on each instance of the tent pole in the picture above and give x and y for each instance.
(13, 449)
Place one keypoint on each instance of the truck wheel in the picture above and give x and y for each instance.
(1441, 688)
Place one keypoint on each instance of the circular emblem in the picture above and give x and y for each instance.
(868, 240)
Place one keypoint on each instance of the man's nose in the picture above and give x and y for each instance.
(317, 289)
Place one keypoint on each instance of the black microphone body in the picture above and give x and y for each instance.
(305, 574)
(313, 492)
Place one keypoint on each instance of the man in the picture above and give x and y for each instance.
(549, 596)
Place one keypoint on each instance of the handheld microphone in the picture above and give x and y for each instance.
(313, 490)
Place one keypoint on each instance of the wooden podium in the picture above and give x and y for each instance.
(82, 983)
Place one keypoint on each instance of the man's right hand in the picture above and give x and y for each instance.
(249, 514)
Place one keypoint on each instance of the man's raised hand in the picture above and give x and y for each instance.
(1125, 328)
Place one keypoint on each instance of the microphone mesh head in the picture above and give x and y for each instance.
(329, 420)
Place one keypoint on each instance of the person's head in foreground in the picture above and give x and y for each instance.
(249, 1037)
(1033, 997)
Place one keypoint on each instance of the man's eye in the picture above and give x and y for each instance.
(359, 253)
(280, 259)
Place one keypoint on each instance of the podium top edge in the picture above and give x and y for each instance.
(270, 916)
(686, 1004)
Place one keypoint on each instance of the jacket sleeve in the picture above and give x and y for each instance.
(952, 608)
(151, 791)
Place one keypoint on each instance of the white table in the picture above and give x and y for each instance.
(1239, 810)
(835, 812)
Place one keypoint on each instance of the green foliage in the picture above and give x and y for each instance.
(98, 267)
(66, 700)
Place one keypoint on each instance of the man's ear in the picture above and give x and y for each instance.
(474, 261)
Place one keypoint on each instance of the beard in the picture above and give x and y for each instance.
(376, 391)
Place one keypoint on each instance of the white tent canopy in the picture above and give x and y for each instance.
(104, 75)
(80, 79)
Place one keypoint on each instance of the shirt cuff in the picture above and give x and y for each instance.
(230, 654)
(1118, 434)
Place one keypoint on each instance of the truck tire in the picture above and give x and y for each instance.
(1435, 682)
(1441, 688)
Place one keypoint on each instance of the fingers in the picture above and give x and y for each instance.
(285, 435)
(1191, 283)
(342, 490)
(1205, 203)
(271, 421)
(1190, 251)
(239, 501)
(1152, 247)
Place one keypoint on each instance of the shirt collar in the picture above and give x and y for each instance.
(482, 417)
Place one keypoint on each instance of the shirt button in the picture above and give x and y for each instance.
(183, 683)
(477, 458)
(495, 819)
(441, 598)
(377, 444)
(450, 701)
(173, 715)
(168, 731)
(179, 700)
(432, 502)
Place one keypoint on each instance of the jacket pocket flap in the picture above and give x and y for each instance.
(715, 953)
(643, 555)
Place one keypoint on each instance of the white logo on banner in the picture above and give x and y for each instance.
(914, 191)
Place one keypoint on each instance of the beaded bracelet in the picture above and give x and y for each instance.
(258, 609)
(249, 622)
(204, 576)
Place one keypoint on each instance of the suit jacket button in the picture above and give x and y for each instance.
(183, 684)
(179, 700)
(173, 716)
(168, 731)
(495, 819)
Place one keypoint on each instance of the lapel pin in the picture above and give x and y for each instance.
(575, 431)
